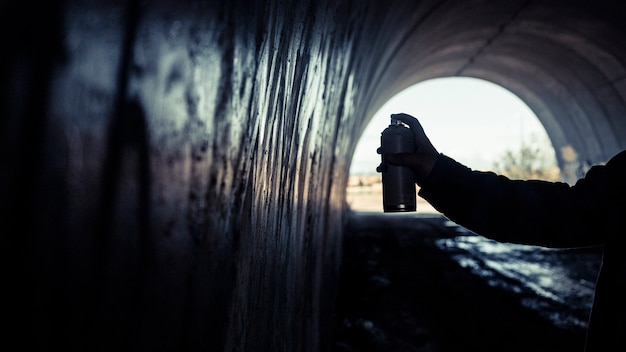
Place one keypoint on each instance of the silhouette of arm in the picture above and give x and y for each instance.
(550, 214)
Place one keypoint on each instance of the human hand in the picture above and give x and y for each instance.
(423, 159)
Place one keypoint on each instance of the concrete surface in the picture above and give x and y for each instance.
(420, 283)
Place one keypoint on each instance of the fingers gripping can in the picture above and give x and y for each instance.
(398, 181)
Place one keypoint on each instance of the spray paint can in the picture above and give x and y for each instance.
(398, 181)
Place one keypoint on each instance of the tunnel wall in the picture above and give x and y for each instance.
(173, 173)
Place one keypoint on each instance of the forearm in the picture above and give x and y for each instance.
(528, 212)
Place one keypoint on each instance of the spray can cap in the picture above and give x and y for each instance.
(395, 121)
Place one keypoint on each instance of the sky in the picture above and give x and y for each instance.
(473, 121)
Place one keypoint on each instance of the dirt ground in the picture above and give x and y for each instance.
(400, 292)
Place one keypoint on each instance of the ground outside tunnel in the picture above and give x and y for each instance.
(401, 290)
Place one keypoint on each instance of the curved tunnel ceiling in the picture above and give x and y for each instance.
(568, 65)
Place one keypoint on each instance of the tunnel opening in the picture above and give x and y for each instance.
(477, 122)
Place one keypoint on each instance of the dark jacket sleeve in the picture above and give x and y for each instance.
(550, 214)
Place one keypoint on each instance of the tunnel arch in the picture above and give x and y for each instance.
(570, 70)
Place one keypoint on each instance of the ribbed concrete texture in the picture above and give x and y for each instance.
(173, 173)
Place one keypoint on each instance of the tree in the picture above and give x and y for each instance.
(534, 160)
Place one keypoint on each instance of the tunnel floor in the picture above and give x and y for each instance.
(417, 283)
